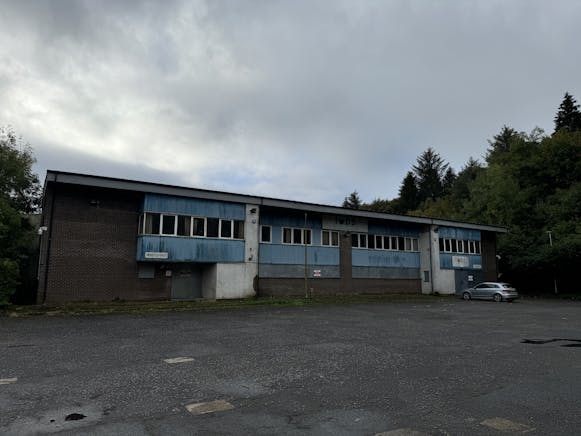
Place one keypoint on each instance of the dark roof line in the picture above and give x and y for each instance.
(159, 188)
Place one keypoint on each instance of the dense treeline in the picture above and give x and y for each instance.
(19, 200)
(528, 182)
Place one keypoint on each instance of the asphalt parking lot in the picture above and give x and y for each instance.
(449, 367)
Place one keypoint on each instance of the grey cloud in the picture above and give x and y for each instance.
(297, 99)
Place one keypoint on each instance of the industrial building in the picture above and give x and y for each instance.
(107, 239)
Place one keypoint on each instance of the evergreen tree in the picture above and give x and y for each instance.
(448, 181)
(352, 201)
(501, 143)
(568, 116)
(429, 171)
(408, 194)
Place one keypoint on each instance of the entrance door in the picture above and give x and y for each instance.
(186, 283)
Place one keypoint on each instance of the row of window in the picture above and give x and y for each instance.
(190, 226)
(330, 238)
(459, 246)
(382, 242)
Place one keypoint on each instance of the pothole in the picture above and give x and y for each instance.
(74, 417)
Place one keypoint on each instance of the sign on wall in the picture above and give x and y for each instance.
(156, 255)
(345, 223)
(460, 261)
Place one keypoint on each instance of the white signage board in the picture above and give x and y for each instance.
(317, 273)
(345, 223)
(477, 266)
(460, 261)
(156, 255)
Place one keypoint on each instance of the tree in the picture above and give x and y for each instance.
(429, 171)
(408, 194)
(448, 181)
(19, 196)
(501, 142)
(352, 201)
(568, 116)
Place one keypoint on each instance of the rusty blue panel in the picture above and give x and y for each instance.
(381, 258)
(474, 259)
(393, 230)
(454, 233)
(295, 255)
(193, 206)
(190, 249)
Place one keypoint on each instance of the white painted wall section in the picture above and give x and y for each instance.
(425, 261)
(236, 280)
(444, 279)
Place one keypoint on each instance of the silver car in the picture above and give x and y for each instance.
(491, 291)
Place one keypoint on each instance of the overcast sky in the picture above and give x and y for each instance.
(305, 100)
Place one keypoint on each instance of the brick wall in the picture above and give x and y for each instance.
(93, 247)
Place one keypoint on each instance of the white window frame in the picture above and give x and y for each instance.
(330, 232)
(359, 235)
(292, 229)
(192, 226)
(175, 224)
(222, 220)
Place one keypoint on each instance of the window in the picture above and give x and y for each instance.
(454, 246)
(358, 240)
(393, 245)
(265, 234)
(471, 249)
(226, 229)
(447, 246)
(168, 224)
(355, 240)
(386, 243)
(371, 242)
(441, 244)
(287, 236)
(212, 225)
(408, 244)
(400, 242)
(238, 229)
(477, 247)
(296, 236)
(184, 224)
(152, 221)
(378, 242)
(198, 227)
(335, 239)
(460, 246)
(415, 246)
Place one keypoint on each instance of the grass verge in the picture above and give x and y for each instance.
(72, 309)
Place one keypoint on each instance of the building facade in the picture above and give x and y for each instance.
(110, 239)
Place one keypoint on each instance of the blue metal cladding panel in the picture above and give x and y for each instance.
(379, 258)
(393, 230)
(295, 255)
(453, 233)
(295, 220)
(446, 260)
(193, 206)
(190, 249)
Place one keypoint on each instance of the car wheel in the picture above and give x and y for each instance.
(466, 296)
(497, 298)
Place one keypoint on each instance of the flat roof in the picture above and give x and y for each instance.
(158, 188)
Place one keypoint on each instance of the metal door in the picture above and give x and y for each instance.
(186, 283)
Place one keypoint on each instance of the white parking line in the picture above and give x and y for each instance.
(8, 381)
(209, 407)
(178, 360)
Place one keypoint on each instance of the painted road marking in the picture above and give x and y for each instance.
(209, 407)
(503, 424)
(401, 432)
(178, 360)
(8, 381)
